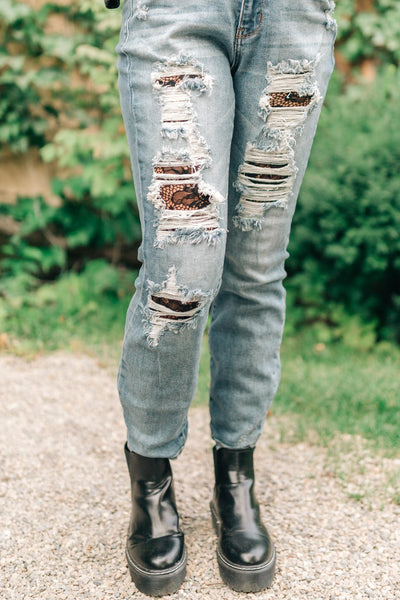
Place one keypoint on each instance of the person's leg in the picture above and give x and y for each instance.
(284, 60)
(178, 107)
(283, 63)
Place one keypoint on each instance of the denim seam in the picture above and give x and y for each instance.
(137, 185)
(256, 30)
(237, 45)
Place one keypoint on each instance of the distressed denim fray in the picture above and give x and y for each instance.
(220, 102)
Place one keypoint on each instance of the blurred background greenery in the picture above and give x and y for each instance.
(69, 227)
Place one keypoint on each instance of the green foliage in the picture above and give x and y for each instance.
(337, 389)
(331, 389)
(88, 309)
(52, 240)
(37, 92)
(373, 34)
(20, 127)
(345, 246)
(58, 94)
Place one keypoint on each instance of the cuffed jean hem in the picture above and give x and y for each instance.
(218, 446)
(171, 450)
(240, 444)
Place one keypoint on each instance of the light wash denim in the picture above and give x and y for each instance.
(220, 102)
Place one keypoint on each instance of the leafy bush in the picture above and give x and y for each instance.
(345, 246)
(369, 30)
(58, 93)
(88, 308)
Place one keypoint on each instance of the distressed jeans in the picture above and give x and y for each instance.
(220, 102)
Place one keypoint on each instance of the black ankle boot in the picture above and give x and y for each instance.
(155, 548)
(245, 552)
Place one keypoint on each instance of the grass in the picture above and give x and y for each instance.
(76, 313)
(337, 389)
(325, 388)
(334, 389)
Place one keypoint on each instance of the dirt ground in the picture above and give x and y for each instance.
(64, 499)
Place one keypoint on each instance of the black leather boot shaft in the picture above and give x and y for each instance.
(246, 554)
(143, 468)
(155, 546)
(232, 466)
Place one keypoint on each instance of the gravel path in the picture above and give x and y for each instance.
(64, 499)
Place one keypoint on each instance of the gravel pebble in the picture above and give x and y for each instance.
(64, 499)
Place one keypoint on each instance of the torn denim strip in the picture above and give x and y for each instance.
(268, 173)
(187, 205)
(330, 22)
(172, 307)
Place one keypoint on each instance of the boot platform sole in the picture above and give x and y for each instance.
(157, 583)
(243, 578)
